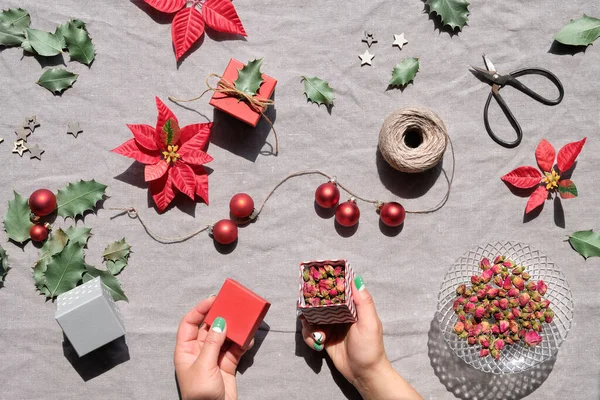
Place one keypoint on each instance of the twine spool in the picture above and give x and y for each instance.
(413, 139)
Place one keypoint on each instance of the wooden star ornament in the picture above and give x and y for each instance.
(35, 151)
(19, 148)
(399, 40)
(366, 58)
(74, 129)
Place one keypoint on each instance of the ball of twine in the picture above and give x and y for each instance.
(413, 139)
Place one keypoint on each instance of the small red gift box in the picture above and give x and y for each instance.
(242, 309)
(232, 105)
(332, 313)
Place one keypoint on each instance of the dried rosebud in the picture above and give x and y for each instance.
(484, 341)
(504, 273)
(536, 297)
(475, 279)
(306, 275)
(516, 312)
(472, 340)
(503, 325)
(508, 315)
(548, 316)
(479, 312)
(496, 303)
(468, 292)
(503, 304)
(496, 269)
(502, 293)
(514, 302)
(536, 326)
(326, 283)
(462, 316)
(322, 272)
(495, 353)
(542, 288)
(469, 308)
(499, 344)
(324, 292)
(463, 335)
(531, 286)
(315, 301)
(461, 299)
(342, 297)
(340, 285)
(487, 276)
(544, 303)
(336, 300)
(526, 324)
(314, 273)
(309, 290)
(326, 302)
(509, 340)
(338, 271)
(484, 353)
(518, 270)
(485, 327)
(499, 259)
(492, 293)
(525, 276)
(329, 270)
(498, 280)
(539, 315)
(508, 264)
(516, 337)
(498, 316)
(507, 284)
(333, 293)
(513, 292)
(524, 299)
(495, 329)
(473, 299)
(513, 326)
(484, 264)
(518, 282)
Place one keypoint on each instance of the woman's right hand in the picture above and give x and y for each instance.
(357, 350)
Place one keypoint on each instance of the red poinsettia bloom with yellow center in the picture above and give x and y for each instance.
(173, 156)
(528, 177)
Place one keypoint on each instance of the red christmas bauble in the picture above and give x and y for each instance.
(241, 205)
(38, 233)
(327, 195)
(392, 214)
(225, 231)
(347, 214)
(42, 202)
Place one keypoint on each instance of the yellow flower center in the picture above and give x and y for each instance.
(551, 180)
(171, 154)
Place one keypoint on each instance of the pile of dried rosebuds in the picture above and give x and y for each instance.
(501, 307)
(324, 285)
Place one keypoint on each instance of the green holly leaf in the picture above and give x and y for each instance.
(453, 12)
(567, 189)
(44, 43)
(16, 18)
(79, 197)
(318, 90)
(79, 43)
(111, 282)
(3, 264)
(249, 77)
(115, 267)
(57, 79)
(65, 270)
(56, 242)
(80, 234)
(61, 30)
(586, 243)
(10, 36)
(579, 32)
(17, 221)
(170, 132)
(117, 251)
(404, 72)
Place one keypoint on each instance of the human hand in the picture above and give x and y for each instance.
(204, 363)
(357, 350)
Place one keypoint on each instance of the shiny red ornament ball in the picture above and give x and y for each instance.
(347, 214)
(327, 195)
(225, 231)
(392, 214)
(38, 233)
(241, 205)
(42, 202)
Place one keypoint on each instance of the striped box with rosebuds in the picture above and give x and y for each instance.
(331, 313)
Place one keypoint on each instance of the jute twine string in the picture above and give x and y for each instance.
(227, 88)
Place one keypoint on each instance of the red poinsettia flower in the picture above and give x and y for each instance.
(528, 177)
(173, 156)
(188, 23)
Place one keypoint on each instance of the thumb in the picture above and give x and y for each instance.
(209, 355)
(365, 306)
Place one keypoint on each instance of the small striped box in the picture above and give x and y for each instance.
(328, 314)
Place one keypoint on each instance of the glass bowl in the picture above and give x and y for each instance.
(517, 357)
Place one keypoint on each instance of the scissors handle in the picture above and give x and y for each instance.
(536, 71)
(511, 118)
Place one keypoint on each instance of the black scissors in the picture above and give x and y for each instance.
(499, 81)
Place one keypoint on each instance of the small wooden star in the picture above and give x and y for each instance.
(74, 129)
(19, 148)
(369, 38)
(400, 40)
(35, 151)
(22, 134)
(366, 58)
(1, 140)
(31, 123)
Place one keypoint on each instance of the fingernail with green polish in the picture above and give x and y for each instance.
(218, 325)
(318, 347)
(318, 336)
(360, 283)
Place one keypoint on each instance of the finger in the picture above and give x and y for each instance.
(365, 306)
(314, 336)
(230, 359)
(209, 355)
(188, 327)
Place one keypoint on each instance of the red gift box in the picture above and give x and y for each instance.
(242, 309)
(232, 105)
(333, 313)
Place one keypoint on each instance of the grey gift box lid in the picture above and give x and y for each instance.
(89, 316)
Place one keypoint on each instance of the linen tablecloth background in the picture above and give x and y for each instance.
(135, 62)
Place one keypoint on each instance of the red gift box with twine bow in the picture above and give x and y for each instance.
(242, 309)
(240, 109)
(327, 313)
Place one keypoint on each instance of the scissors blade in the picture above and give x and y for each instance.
(489, 76)
(488, 64)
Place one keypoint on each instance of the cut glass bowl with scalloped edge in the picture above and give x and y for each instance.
(517, 357)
